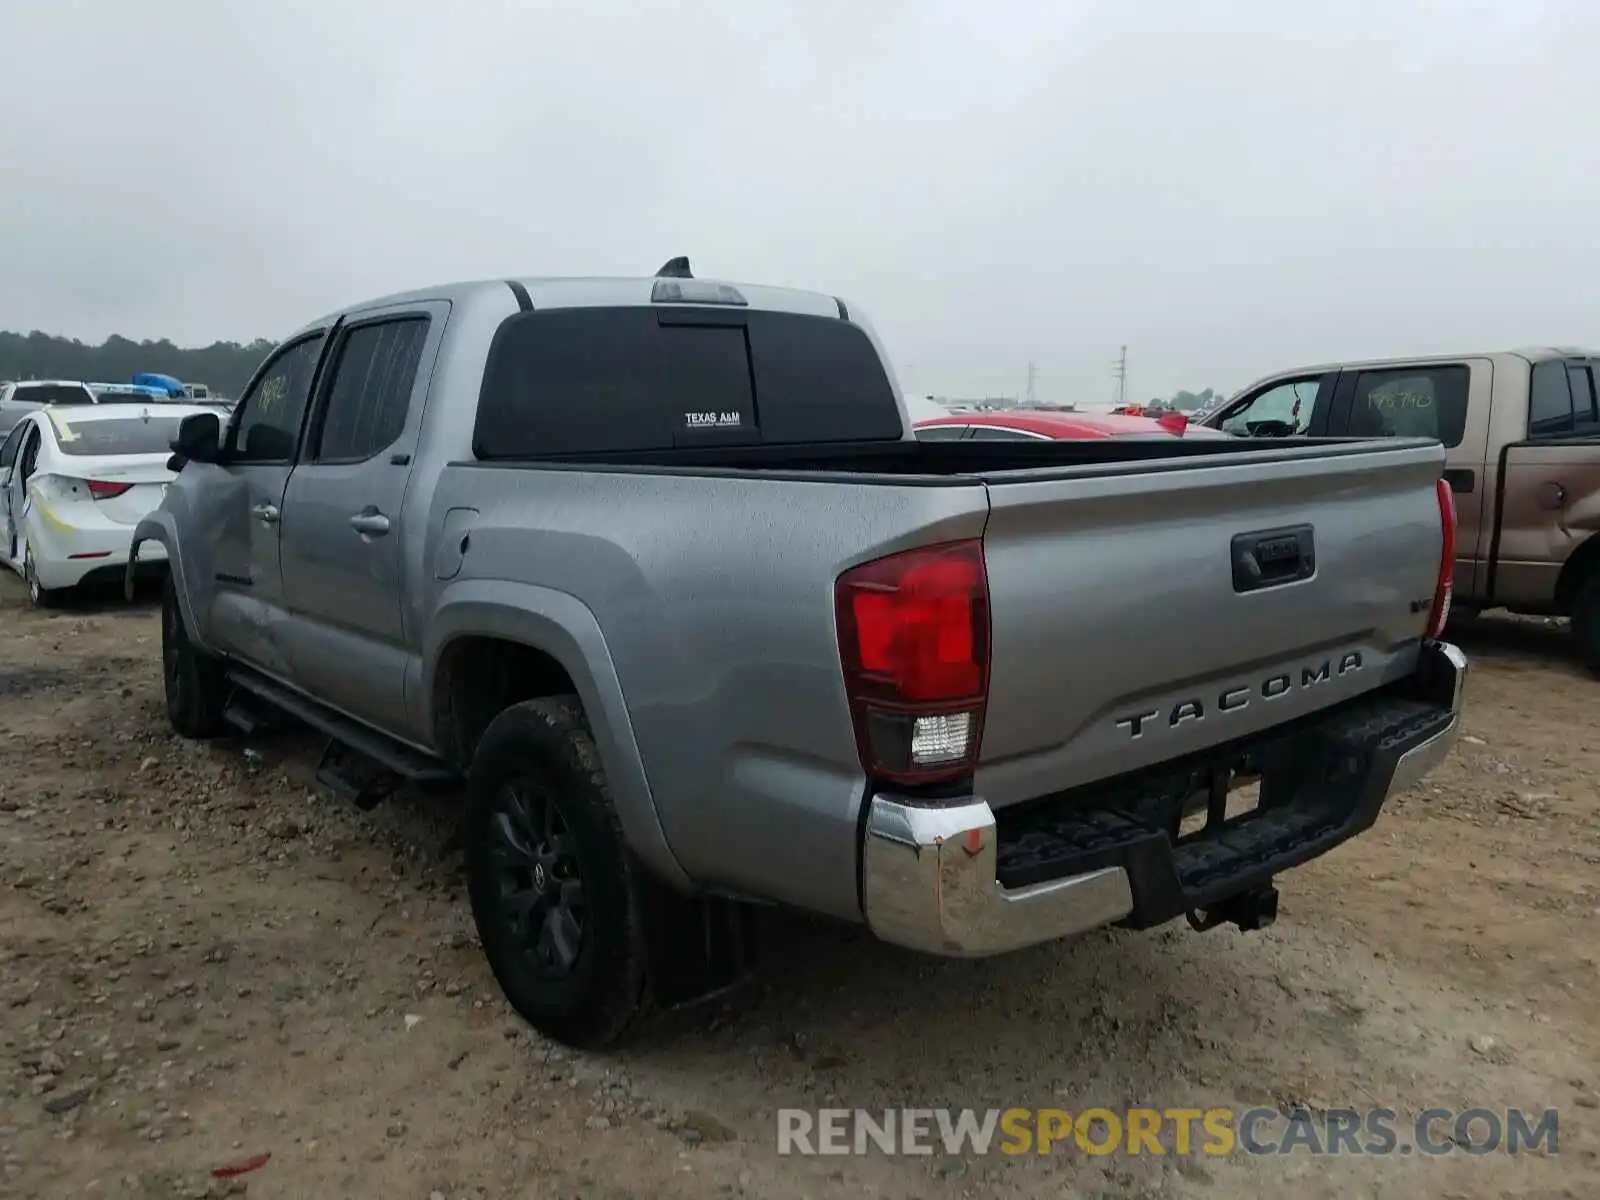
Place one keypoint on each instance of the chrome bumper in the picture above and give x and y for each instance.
(929, 884)
(1447, 667)
(929, 870)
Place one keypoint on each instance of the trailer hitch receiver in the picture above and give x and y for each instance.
(1253, 909)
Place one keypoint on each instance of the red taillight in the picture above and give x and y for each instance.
(99, 489)
(914, 642)
(1447, 561)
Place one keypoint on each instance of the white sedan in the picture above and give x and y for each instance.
(74, 481)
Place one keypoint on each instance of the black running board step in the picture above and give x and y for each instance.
(248, 714)
(243, 716)
(412, 765)
(353, 776)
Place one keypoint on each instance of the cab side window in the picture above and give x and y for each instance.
(1281, 410)
(942, 433)
(266, 425)
(1425, 402)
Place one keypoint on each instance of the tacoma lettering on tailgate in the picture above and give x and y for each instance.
(1240, 696)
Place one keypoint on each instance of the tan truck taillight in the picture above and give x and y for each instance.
(1445, 588)
(914, 643)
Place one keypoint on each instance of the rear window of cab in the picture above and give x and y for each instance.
(607, 380)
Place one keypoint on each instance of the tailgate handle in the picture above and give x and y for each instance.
(1273, 557)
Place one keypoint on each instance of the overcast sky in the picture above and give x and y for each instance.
(1226, 187)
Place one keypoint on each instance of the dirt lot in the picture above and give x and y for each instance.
(203, 959)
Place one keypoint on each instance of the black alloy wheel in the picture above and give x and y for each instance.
(538, 878)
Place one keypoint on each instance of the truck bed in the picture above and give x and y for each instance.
(1119, 640)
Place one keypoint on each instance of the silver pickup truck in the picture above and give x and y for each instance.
(652, 571)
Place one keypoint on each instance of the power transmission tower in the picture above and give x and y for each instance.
(1033, 372)
(1121, 377)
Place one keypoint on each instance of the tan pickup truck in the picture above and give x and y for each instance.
(1522, 430)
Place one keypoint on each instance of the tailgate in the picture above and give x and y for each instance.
(1122, 638)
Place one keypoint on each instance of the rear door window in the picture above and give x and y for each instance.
(370, 391)
(29, 458)
(607, 380)
(13, 443)
(1585, 402)
(1425, 402)
(1550, 401)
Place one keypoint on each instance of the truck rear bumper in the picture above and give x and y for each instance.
(950, 878)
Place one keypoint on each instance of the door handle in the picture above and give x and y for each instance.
(267, 514)
(369, 522)
(1552, 495)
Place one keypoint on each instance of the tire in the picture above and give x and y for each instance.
(553, 886)
(39, 596)
(195, 684)
(1586, 622)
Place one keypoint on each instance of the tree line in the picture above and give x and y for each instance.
(224, 367)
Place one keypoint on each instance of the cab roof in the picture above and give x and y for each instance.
(1532, 354)
(596, 291)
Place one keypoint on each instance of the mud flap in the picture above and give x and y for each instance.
(127, 575)
(697, 946)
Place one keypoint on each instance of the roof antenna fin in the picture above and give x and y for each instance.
(675, 268)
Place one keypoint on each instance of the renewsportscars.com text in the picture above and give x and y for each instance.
(1159, 1131)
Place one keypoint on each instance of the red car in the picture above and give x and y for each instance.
(1054, 426)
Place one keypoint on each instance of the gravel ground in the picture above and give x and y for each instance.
(203, 960)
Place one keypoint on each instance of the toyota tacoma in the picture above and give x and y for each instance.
(653, 573)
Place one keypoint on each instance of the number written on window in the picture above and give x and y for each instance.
(269, 415)
(1423, 402)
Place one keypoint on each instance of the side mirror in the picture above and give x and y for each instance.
(199, 440)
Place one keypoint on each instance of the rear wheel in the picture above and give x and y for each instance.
(38, 595)
(1586, 622)
(195, 684)
(553, 887)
